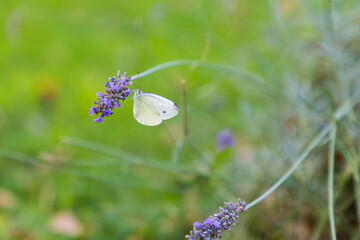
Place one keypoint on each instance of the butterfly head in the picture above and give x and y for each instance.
(138, 93)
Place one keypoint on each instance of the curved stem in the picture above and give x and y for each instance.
(237, 72)
(338, 115)
(331, 181)
(163, 66)
(298, 161)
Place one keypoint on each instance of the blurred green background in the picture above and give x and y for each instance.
(284, 66)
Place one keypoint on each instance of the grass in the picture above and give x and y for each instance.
(331, 181)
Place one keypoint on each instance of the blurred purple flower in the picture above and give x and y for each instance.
(116, 90)
(225, 140)
(215, 225)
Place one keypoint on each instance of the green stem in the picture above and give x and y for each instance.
(165, 65)
(331, 181)
(338, 115)
(235, 71)
(357, 199)
(298, 161)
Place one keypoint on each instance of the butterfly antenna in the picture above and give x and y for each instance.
(138, 76)
(136, 85)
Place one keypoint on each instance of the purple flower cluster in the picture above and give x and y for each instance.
(215, 225)
(225, 140)
(116, 90)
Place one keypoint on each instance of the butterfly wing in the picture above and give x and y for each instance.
(166, 108)
(145, 112)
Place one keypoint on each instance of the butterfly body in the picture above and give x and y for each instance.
(151, 109)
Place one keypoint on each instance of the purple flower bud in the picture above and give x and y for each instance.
(106, 113)
(208, 221)
(92, 110)
(114, 87)
(107, 102)
(123, 83)
(99, 120)
(127, 92)
(107, 84)
(197, 225)
(225, 140)
(216, 224)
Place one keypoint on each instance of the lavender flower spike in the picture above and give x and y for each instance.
(215, 225)
(116, 90)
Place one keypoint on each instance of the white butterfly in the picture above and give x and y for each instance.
(150, 109)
